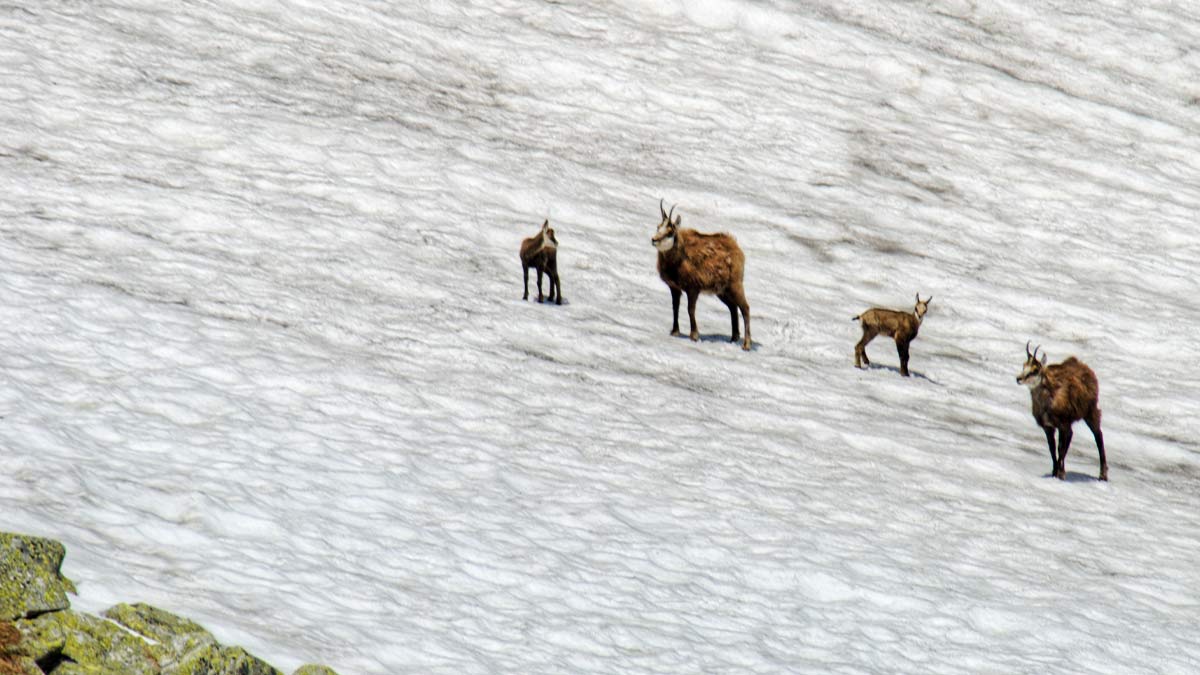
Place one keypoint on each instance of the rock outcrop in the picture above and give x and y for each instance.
(41, 635)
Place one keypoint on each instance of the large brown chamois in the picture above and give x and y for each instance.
(902, 326)
(694, 263)
(541, 253)
(1063, 393)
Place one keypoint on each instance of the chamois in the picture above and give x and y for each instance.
(902, 326)
(694, 263)
(541, 253)
(1063, 393)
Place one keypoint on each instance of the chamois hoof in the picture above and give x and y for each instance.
(1104, 475)
(746, 346)
(695, 337)
(675, 332)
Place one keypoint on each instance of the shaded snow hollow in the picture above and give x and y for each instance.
(266, 363)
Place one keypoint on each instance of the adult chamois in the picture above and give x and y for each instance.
(541, 253)
(1063, 393)
(902, 326)
(694, 263)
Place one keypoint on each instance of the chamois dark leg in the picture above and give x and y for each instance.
(727, 298)
(539, 272)
(525, 269)
(1093, 422)
(1064, 444)
(555, 286)
(692, 297)
(902, 349)
(745, 307)
(1053, 453)
(675, 294)
(860, 349)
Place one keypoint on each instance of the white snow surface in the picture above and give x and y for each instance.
(266, 365)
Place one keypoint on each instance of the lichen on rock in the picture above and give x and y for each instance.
(314, 670)
(13, 661)
(84, 643)
(215, 660)
(31, 580)
(172, 638)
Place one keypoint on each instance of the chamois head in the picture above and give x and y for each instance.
(922, 306)
(1031, 374)
(664, 237)
(548, 232)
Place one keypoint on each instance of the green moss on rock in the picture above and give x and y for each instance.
(172, 638)
(87, 644)
(315, 670)
(31, 580)
(214, 660)
(12, 659)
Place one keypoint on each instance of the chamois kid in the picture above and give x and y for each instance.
(1063, 393)
(541, 253)
(902, 326)
(694, 263)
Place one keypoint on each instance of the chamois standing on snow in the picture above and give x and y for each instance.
(541, 253)
(1063, 393)
(902, 326)
(694, 263)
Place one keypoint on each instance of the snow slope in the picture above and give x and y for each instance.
(266, 364)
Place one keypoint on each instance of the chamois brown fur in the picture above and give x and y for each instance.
(901, 326)
(693, 263)
(541, 253)
(1061, 394)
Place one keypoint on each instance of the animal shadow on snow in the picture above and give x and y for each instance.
(1076, 477)
(896, 370)
(717, 337)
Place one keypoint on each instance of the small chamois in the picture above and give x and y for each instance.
(694, 263)
(541, 253)
(902, 326)
(1063, 393)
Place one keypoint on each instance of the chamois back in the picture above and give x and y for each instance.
(692, 262)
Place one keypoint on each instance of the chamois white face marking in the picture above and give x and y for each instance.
(1031, 374)
(664, 238)
(921, 307)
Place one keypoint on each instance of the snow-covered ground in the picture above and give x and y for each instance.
(265, 362)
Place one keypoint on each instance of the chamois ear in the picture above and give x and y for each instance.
(678, 219)
(545, 223)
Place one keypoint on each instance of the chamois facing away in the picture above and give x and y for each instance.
(902, 326)
(1063, 393)
(694, 263)
(541, 253)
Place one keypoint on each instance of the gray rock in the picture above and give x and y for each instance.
(31, 580)
(172, 639)
(315, 670)
(85, 643)
(214, 660)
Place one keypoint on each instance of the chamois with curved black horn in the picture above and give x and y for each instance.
(693, 263)
(1063, 393)
(541, 253)
(901, 326)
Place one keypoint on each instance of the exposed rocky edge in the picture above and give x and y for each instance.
(31, 581)
(41, 635)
